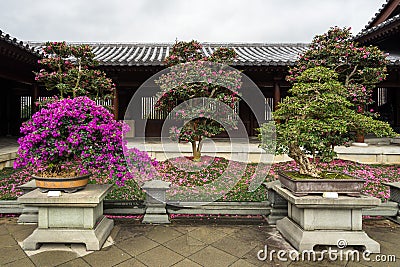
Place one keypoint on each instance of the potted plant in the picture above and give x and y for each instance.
(71, 136)
(67, 138)
(316, 117)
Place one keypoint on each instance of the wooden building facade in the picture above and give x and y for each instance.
(131, 64)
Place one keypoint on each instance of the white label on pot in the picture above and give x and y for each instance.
(54, 193)
(330, 195)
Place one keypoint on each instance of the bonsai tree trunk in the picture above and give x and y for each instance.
(196, 149)
(306, 166)
(360, 137)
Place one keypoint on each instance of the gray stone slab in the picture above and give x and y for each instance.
(28, 219)
(53, 258)
(25, 262)
(389, 208)
(92, 195)
(92, 238)
(10, 207)
(10, 254)
(156, 184)
(28, 186)
(306, 240)
(211, 256)
(156, 218)
(315, 201)
(107, 257)
(160, 256)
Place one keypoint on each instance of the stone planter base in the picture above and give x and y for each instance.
(92, 238)
(306, 240)
(314, 220)
(69, 218)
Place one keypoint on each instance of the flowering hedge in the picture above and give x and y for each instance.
(373, 175)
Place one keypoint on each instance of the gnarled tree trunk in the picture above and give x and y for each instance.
(306, 166)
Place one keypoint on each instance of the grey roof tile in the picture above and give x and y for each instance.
(386, 23)
(369, 24)
(138, 54)
(249, 54)
(18, 43)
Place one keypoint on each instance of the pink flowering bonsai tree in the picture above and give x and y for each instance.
(71, 135)
(359, 68)
(192, 78)
(70, 69)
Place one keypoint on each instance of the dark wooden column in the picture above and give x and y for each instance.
(35, 96)
(116, 103)
(277, 94)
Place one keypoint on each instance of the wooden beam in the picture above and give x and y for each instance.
(116, 103)
(277, 95)
(35, 96)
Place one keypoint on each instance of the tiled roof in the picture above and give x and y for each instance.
(369, 24)
(20, 44)
(154, 54)
(386, 23)
(394, 59)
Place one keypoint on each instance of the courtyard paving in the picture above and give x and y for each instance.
(185, 244)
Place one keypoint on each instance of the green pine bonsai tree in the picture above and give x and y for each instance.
(359, 68)
(316, 117)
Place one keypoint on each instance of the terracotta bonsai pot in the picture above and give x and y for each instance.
(303, 187)
(66, 184)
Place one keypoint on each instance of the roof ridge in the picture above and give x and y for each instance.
(21, 44)
(376, 15)
(37, 43)
(380, 25)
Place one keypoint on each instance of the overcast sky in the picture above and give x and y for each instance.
(274, 21)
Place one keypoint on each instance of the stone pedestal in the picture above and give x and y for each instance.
(156, 202)
(314, 220)
(29, 215)
(395, 197)
(279, 205)
(70, 218)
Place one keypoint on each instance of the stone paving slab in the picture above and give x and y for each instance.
(178, 244)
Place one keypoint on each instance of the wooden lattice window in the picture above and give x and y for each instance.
(25, 107)
(149, 112)
(382, 96)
